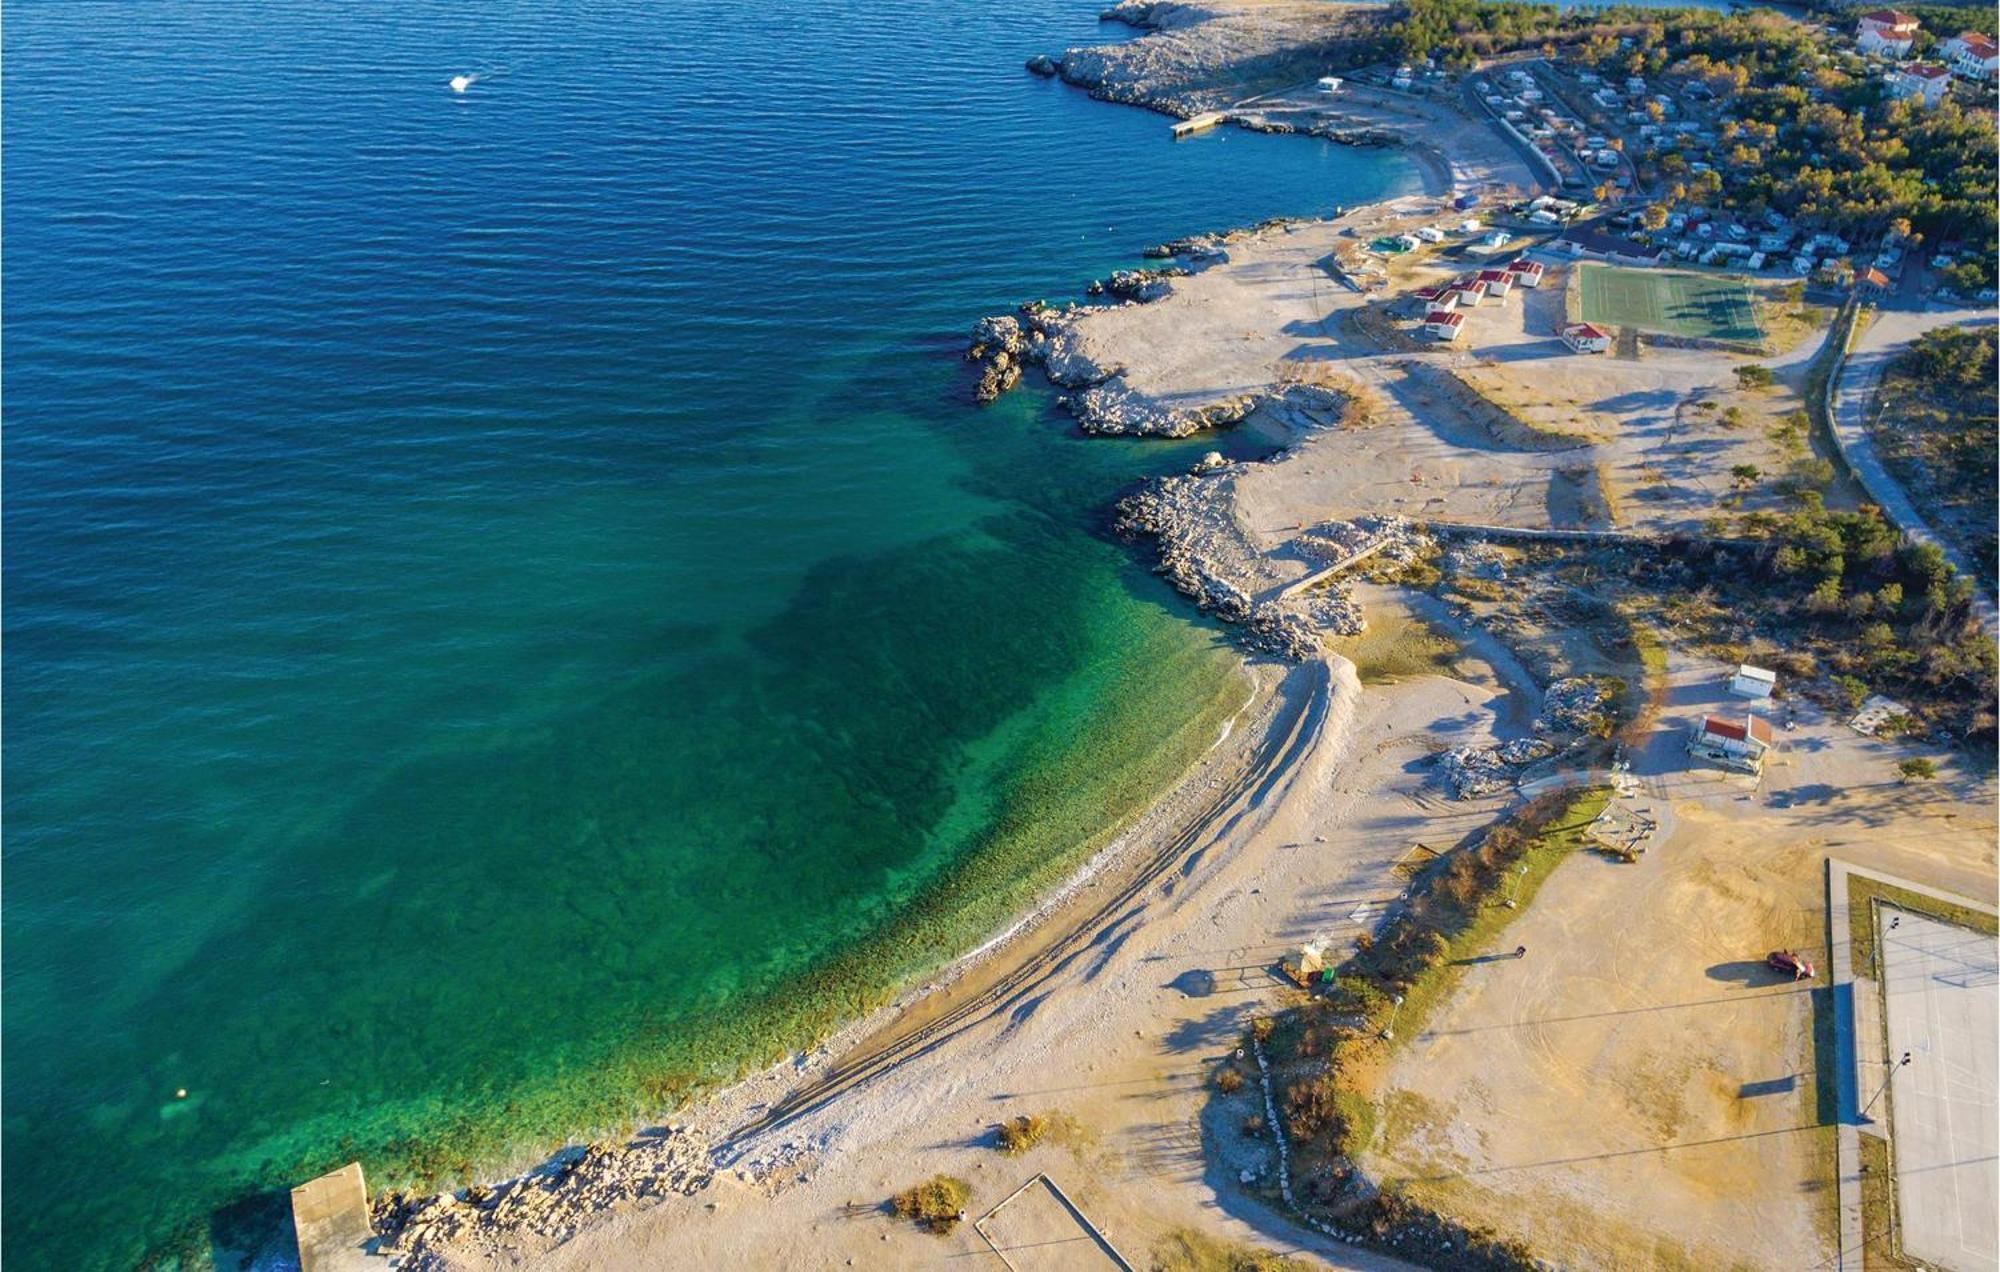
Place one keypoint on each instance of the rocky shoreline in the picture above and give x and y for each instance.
(429, 1233)
(1203, 554)
(1038, 334)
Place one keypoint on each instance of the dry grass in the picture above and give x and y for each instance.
(1188, 1250)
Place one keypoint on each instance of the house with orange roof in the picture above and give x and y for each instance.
(1885, 33)
(1973, 56)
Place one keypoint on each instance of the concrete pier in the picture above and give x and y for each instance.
(1198, 123)
(330, 1216)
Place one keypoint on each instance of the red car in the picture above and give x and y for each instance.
(1791, 963)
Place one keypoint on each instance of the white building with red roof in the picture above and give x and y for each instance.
(1526, 273)
(1586, 337)
(1885, 33)
(1443, 324)
(1739, 742)
(1922, 81)
(1972, 56)
(1468, 293)
(1496, 283)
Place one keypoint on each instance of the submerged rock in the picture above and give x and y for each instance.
(1043, 65)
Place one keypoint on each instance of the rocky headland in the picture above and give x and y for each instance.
(1202, 57)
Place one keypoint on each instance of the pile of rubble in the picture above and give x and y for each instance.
(1576, 705)
(1474, 560)
(1177, 513)
(1472, 771)
(1573, 708)
(550, 1203)
(1392, 541)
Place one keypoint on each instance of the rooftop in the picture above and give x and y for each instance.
(1737, 731)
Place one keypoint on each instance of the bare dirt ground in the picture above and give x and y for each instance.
(1662, 436)
(1638, 1091)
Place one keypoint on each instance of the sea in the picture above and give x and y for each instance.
(511, 616)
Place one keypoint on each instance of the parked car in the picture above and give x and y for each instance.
(1791, 963)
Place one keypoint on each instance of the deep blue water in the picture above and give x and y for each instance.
(500, 587)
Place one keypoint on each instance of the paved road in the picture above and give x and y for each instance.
(1943, 994)
(1889, 335)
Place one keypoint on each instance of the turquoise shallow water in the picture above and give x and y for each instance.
(509, 612)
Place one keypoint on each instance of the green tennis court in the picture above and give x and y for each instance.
(1699, 306)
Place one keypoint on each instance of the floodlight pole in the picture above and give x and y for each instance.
(1389, 1030)
(1884, 1087)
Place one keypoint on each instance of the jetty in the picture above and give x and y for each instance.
(1197, 123)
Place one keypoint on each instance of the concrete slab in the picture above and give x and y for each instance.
(1942, 989)
(330, 1216)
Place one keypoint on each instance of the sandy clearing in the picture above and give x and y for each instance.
(1638, 1091)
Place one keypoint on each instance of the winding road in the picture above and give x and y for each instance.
(1879, 345)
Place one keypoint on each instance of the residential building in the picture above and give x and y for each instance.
(1885, 33)
(1921, 80)
(1525, 272)
(1972, 56)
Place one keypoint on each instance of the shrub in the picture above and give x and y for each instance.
(1018, 1135)
(937, 1204)
(1228, 1079)
(1917, 769)
(1754, 377)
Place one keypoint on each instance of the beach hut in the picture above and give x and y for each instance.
(1443, 324)
(1586, 337)
(1753, 682)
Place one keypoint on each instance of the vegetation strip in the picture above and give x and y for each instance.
(1319, 1062)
